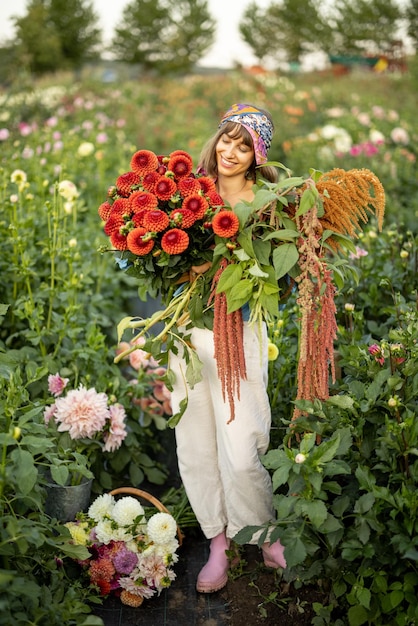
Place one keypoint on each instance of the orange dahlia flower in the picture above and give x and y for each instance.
(150, 180)
(183, 218)
(104, 210)
(225, 224)
(207, 185)
(125, 182)
(215, 199)
(114, 224)
(144, 161)
(121, 207)
(136, 243)
(188, 186)
(165, 188)
(175, 241)
(143, 200)
(197, 204)
(180, 164)
(156, 220)
(118, 241)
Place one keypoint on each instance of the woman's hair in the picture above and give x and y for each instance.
(235, 130)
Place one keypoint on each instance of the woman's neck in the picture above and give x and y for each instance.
(233, 190)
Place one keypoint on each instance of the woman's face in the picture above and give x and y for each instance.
(233, 156)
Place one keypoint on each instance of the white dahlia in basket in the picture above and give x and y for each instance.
(162, 528)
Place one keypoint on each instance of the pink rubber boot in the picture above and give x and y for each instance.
(273, 555)
(214, 575)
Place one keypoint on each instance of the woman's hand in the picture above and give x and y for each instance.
(194, 271)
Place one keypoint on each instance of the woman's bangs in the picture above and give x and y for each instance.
(238, 131)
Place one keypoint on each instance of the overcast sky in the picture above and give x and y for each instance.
(227, 48)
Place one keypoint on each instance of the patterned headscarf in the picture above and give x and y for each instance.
(258, 125)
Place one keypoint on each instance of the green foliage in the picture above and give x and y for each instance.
(56, 35)
(164, 36)
(364, 26)
(345, 475)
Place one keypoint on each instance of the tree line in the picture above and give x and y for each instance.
(168, 36)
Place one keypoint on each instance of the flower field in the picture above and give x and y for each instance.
(346, 477)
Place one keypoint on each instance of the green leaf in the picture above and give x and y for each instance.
(229, 277)
(174, 419)
(193, 369)
(307, 201)
(284, 234)
(280, 476)
(25, 471)
(284, 258)
(344, 402)
(357, 615)
(316, 511)
(246, 534)
(60, 474)
(239, 295)
(255, 270)
(364, 503)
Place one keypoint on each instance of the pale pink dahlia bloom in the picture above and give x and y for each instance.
(83, 412)
(117, 431)
(56, 384)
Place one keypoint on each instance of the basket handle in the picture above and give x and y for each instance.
(139, 493)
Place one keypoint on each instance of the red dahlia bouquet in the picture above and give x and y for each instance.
(158, 217)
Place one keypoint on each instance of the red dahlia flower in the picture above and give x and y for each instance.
(104, 210)
(118, 241)
(225, 224)
(215, 199)
(143, 200)
(197, 204)
(188, 186)
(175, 241)
(156, 221)
(183, 218)
(207, 185)
(125, 182)
(180, 164)
(121, 207)
(150, 180)
(113, 224)
(144, 161)
(165, 188)
(136, 244)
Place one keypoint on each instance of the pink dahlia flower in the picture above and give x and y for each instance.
(117, 432)
(56, 384)
(83, 412)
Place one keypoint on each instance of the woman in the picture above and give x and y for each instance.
(219, 460)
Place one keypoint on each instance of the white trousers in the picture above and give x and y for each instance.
(219, 463)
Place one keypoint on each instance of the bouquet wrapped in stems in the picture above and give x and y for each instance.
(290, 237)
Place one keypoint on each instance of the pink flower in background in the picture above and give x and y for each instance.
(117, 431)
(49, 412)
(57, 384)
(358, 254)
(139, 359)
(4, 134)
(399, 135)
(83, 412)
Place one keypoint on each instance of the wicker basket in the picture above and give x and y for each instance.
(139, 493)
